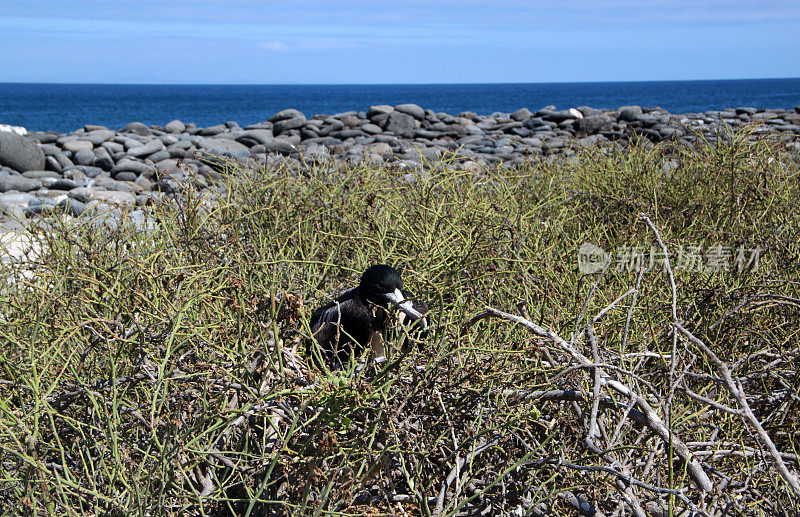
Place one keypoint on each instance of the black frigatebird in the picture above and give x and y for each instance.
(360, 317)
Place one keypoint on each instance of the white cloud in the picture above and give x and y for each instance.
(275, 46)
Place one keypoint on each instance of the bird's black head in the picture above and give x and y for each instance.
(378, 281)
(382, 285)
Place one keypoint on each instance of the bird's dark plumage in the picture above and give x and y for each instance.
(360, 317)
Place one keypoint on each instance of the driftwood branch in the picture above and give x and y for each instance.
(622, 477)
(735, 387)
(653, 421)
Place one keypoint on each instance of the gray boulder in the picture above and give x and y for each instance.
(63, 184)
(287, 124)
(87, 170)
(51, 164)
(98, 136)
(157, 157)
(63, 161)
(593, 124)
(214, 130)
(113, 147)
(176, 126)
(40, 206)
(20, 153)
(20, 183)
(126, 176)
(83, 157)
(71, 207)
(82, 194)
(380, 109)
(411, 109)
(147, 149)
(371, 129)
(261, 136)
(400, 124)
(381, 149)
(588, 111)
(127, 165)
(45, 138)
(131, 143)
(136, 128)
(49, 149)
(286, 114)
(220, 145)
(521, 115)
(77, 145)
(279, 146)
(554, 143)
(103, 159)
(113, 185)
(629, 113)
(39, 175)
(561, 116)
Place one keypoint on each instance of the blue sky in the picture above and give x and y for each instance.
(409, 41)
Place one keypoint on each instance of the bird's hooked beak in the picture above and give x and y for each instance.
(404, 305)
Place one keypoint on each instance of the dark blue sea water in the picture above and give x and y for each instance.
(66, 107)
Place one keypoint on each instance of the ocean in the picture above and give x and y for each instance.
(66, 107)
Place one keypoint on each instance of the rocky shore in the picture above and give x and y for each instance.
(97, 168)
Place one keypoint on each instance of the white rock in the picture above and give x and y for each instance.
(13, 129)
(18, 246)
(114, 198)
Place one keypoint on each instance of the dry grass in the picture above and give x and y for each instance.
(163, 372)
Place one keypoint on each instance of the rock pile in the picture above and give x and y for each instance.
(97, 167)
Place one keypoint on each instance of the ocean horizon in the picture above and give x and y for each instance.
(66, 107)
